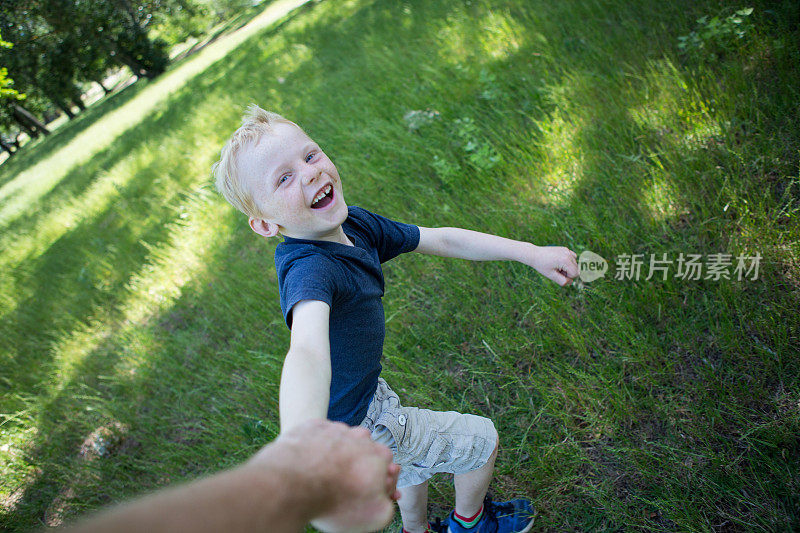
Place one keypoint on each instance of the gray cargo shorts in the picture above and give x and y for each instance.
(426, 442)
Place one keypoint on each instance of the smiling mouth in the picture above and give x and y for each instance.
(324, 199)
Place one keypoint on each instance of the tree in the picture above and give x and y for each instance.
(8, 96)
(112, 28)
(40, 68)
(62, 45)
(6, 92)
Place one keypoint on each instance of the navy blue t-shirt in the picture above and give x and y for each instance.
(350, 280)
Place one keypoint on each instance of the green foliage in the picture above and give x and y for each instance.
(447, 170)
(130, 291)
(480, 153)
(490, 88)
(178, 21)
(6, 91)
(256, 432)
(224, 9)
(717, 34)
(417, 118)
(61, 46)
(472, 149)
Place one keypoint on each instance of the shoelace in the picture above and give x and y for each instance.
(438, 527)
(501, 507)
(490, 510)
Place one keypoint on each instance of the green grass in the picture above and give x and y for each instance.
(133, 299)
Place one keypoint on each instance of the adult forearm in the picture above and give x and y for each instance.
(305, 387)
(241, 500)
(477, 246)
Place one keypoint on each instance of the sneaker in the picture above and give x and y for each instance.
(435, 527)
(439, 526)
(514, 516)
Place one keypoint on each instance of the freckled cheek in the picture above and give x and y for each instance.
(292, 201)
(283, 204)
(330, 168)
(263, 203)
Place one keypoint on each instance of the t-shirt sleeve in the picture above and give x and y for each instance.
(308, 278)
(391, 238)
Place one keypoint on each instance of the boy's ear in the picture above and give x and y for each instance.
(263, 228)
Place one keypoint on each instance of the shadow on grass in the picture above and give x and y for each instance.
(166, 401)
(43, 147)
(87, 268)
(39, 149)
(80, 178)
(170, 404)
(230, 26)
(35, 151)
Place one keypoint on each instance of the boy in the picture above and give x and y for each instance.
(331, 284)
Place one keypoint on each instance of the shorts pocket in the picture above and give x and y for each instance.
(437, 454)
(415, 442)
(395, 421)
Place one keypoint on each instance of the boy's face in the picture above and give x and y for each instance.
(286, 172)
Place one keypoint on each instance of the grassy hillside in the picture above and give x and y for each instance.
(141, 338)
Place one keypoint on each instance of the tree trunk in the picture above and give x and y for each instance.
(123, 57)
(36, 124)
(6, 147)
(64, 107)
(79, 103)
(32, 133)
(100, 83)
(137, 68)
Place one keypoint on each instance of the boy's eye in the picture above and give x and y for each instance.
(310, 156)
(283, 178)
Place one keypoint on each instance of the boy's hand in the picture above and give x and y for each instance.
(557, 263)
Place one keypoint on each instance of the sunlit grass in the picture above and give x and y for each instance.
(560, 159)
(20, 193)
(134, 301)
(153, 291)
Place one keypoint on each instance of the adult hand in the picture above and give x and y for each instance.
(320, 471)
(350, 480)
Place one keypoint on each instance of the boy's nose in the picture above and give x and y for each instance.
(310, 174)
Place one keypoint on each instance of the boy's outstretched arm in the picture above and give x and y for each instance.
(557, 263)
(306, 376)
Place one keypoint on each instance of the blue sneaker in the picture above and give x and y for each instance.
(438, 526)
(435, 527)
(514, 516)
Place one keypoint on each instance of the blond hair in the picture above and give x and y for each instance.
(228, 180)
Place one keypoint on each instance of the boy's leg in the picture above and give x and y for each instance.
(471, 487)
(413, 504)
